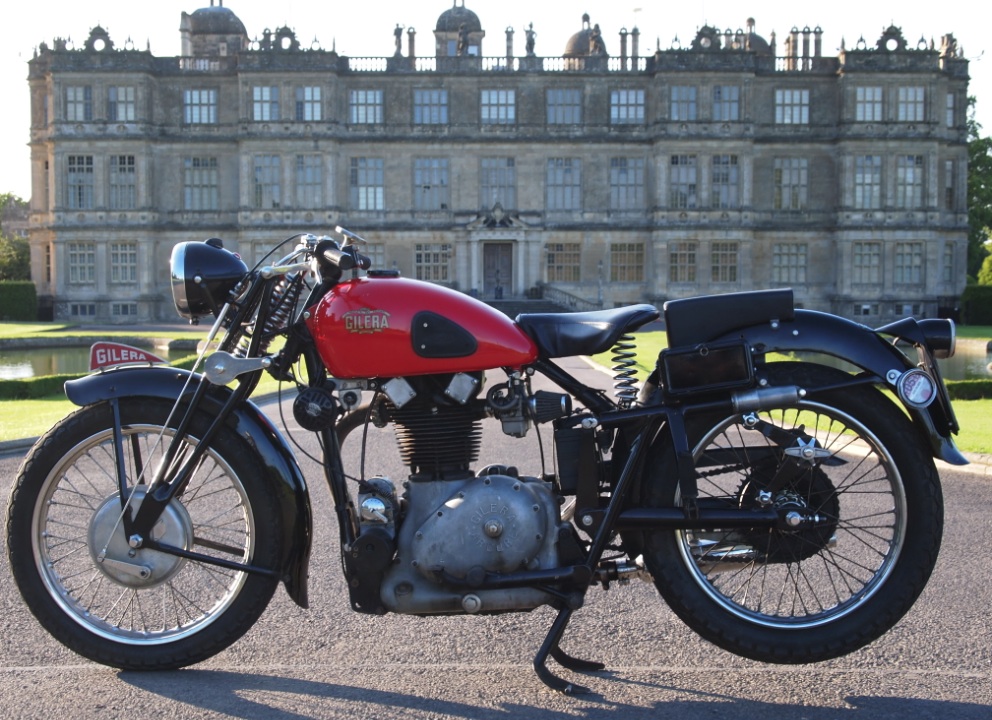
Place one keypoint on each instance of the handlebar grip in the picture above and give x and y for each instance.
(329, 254)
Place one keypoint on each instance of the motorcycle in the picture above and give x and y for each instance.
(786, 510)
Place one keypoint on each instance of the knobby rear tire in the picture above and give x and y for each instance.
(817, 593)
(64, 509)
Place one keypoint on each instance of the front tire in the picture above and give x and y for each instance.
(823, 589)
(140, 609)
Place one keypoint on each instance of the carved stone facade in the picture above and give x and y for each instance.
(718, 167)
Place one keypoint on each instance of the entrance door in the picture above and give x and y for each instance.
(497, 270)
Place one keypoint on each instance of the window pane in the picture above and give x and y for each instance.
(123, 188)
(909, 182)
(199, 106)
(682, 262)
(868, 104)
(267, 194)
(498, 107)
(724, 262)
(79, 182)
(791, 178)
(82, 262)
(365, 107)
(792, 107)
(430, 107)
(866, 268)
(430, 184)
(123, 262)
(683, 102)
(626, 262)
(627, 183)
(201, 183)
(682, 181)
(910, 104)
(309, 181)
(725, 182)
(308, 107)
(789, 262)
(121, 104)
(499, 182)
(563, 184)
(868, 182)
(564, 106)
(626, 107)
(431, 261)
(367, 184)
(563, 262)
(726, 103)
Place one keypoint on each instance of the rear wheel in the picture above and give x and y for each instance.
(848, 459)
(137, 608)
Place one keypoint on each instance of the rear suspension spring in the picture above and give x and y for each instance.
(624, 372)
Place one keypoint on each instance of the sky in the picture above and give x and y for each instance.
(365, 28)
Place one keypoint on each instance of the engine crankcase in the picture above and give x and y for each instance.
(457, 531)
(497, 524)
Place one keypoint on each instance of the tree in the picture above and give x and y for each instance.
(10, 203)
(985, 274)
(15, 252)
(15, 258)
(979, 194)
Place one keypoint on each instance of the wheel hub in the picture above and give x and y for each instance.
(811, 495)
(114, 554)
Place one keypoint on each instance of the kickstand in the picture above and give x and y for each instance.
(550, 647)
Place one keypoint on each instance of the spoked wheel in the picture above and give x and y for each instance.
(134, 607)
(861, 513)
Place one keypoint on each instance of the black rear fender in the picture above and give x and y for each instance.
(816, 332)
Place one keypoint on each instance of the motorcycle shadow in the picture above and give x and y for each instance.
(283, 697)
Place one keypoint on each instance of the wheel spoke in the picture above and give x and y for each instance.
(798, 576)
(111, 597)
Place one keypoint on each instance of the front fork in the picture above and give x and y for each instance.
(171, 477)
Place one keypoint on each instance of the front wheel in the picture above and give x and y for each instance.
(133, 607)
(849, 465)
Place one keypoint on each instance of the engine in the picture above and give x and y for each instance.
(455, 532)
(452, 526)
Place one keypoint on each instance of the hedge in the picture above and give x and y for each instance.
(40, 387)
(969, 389)
(48, 385)
(977, 304)
(18, 300)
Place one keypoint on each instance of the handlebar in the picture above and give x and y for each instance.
(329, 255)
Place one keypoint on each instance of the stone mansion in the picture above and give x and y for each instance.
(594, 176)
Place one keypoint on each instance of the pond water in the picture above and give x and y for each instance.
(969, 362)
(36, 362)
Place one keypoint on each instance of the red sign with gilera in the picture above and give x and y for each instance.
(110, 354)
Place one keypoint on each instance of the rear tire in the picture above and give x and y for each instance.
(140, 609)
(805, 595)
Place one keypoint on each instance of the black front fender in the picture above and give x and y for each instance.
(274, 453)
(811, 331)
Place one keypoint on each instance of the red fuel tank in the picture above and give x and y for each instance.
(393, 327)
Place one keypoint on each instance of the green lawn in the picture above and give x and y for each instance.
(29, 418)
(975, 332)
(23, 330)
(974, 416)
